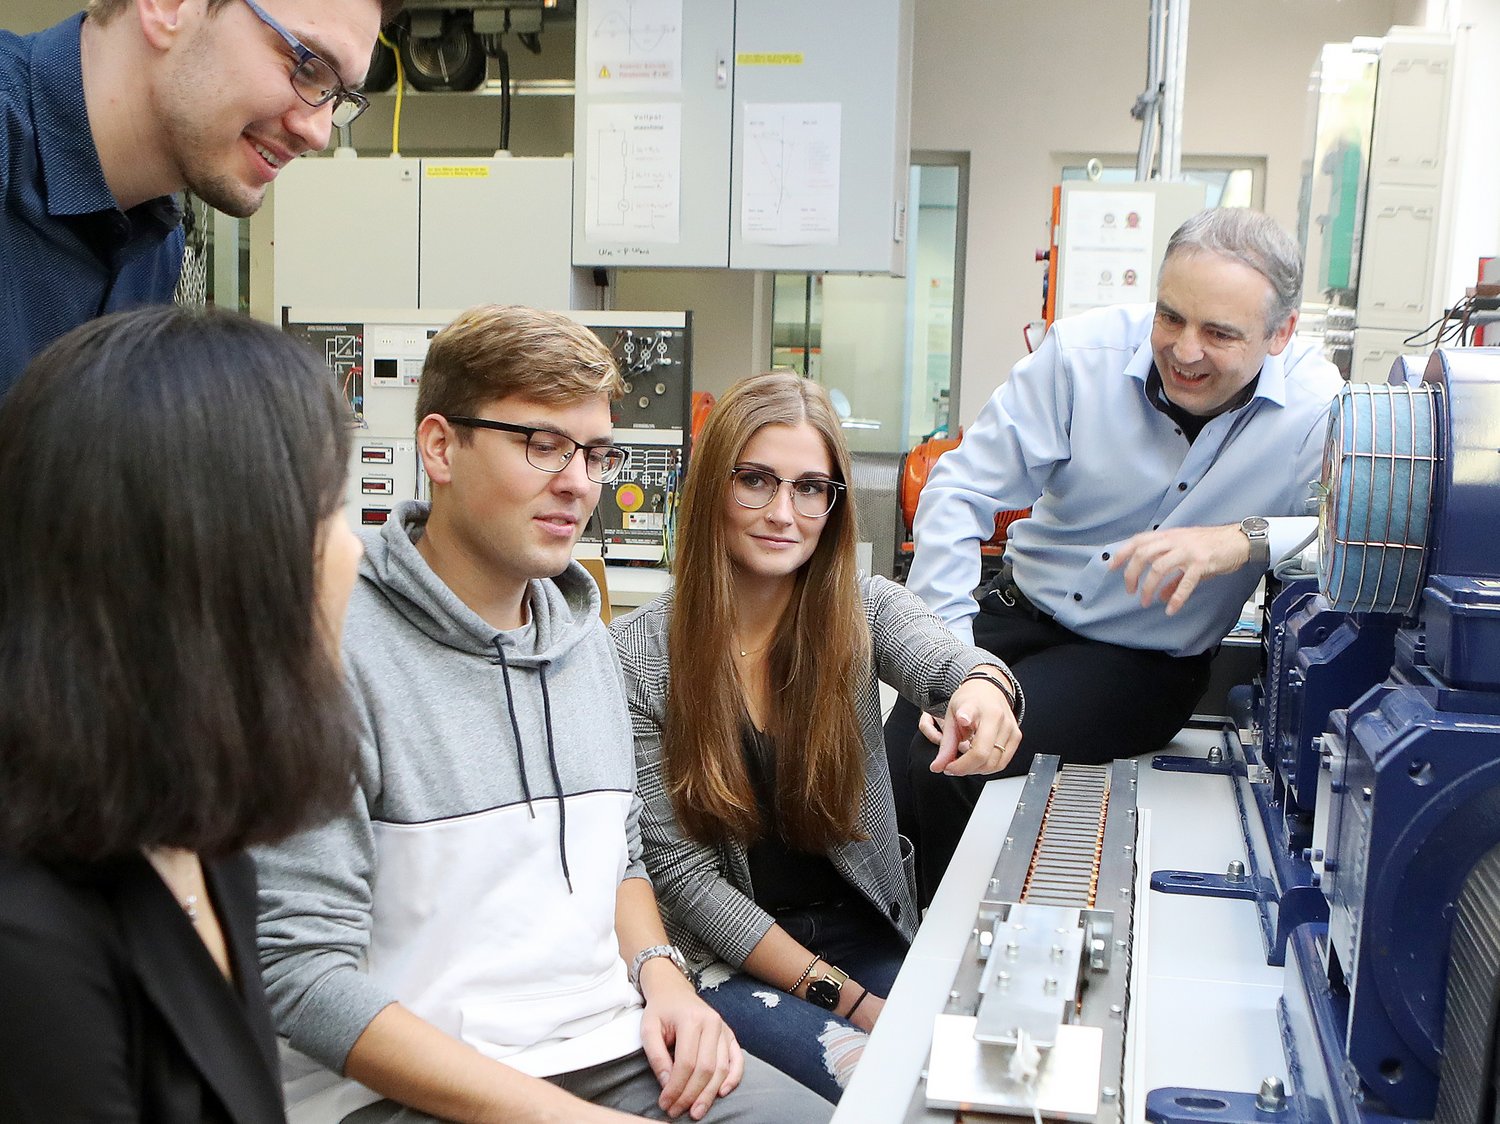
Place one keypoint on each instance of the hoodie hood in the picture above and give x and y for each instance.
(564, 609)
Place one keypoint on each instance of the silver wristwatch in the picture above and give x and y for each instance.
(1258, 531)
(670, 951)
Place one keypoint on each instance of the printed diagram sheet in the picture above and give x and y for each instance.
(634, 46)
(1107, 250)
(632, 192)
(790, 186)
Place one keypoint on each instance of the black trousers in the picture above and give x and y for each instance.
(1086, 702)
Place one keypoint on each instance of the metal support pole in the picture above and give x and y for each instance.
(1174, 77)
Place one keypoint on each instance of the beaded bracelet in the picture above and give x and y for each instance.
(805, 973)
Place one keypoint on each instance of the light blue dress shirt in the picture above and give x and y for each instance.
(1073, 435)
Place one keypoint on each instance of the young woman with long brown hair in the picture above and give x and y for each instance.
(767, 818)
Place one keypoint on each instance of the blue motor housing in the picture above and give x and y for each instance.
(1414, 775)
(1411, 796)
(1330, 658)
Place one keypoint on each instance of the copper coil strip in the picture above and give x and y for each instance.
(1064, 867)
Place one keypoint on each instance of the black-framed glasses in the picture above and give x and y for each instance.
(812, 496)
(551, 451)
(314, 79)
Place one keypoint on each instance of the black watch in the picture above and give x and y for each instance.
(825, 989)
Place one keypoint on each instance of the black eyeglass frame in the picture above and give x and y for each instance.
(530, 431)
(341, 95)
(837, 487)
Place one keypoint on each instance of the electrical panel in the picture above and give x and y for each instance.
(375, 357)
(401, 232)
(743, 133)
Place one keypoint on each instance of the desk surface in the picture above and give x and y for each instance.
(1206, 1013)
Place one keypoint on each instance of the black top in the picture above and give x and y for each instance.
(1191, 424)
(113, 1008)
(782, 877)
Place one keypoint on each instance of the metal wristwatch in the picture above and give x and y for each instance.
(824, 989)
(1258, 531)
(669, 951)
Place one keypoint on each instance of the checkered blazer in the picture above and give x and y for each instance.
(704, 890)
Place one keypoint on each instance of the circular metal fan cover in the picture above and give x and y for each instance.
(1378, 470)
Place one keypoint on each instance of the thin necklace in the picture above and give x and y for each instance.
(161, 860)
(750, 651)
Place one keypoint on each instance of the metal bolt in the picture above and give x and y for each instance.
(1012, 949)
(1116, 1010)
(1002, 978)
(1121, 943)
(1129, 847)
(1124, 891)
(1057, 951)
(1215, 755)
(1272, 1095)
(1049, 985)
(1236, 872)
(1108, 1092)
(994, 883)
(953, 994)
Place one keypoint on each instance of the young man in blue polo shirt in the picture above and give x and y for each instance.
(107, 115)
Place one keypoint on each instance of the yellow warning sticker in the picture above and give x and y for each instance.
(604, 72)
(458, 171)
(769, 58)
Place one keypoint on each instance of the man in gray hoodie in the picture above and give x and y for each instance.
(476, 938)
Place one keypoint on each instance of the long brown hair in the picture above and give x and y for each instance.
(819, 654)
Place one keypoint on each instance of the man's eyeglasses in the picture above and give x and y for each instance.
(812, 496)
(551, 451)
(314, 80)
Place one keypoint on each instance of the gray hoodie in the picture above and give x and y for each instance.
(474, 877)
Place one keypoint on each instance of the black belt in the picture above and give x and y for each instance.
(1005, 596)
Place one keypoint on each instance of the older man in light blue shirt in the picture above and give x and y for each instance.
(1167, 453)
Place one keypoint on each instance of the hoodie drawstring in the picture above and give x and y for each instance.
(515, 726)
(562, 800)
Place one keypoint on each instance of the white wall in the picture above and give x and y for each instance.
(1014, 83)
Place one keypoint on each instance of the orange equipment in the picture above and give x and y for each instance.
(915, 468)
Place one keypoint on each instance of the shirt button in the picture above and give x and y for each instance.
(1178, 432)
(1182, 487)
(1077, 597)
(1155, 526)
(895, 911)
(1105, 556)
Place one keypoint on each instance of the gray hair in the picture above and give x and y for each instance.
(1255, 240)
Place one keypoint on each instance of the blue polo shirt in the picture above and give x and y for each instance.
(67, 252)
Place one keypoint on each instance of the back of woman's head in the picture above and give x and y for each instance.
(169, 682)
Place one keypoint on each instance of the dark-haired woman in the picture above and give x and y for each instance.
(768, 822)
(172, 586)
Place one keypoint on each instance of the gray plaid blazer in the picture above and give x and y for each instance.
(704, 890)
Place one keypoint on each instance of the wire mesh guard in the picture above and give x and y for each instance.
(1378, 469)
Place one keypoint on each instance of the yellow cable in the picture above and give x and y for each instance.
(400, 92)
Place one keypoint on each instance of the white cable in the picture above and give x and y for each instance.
(1025, 1063)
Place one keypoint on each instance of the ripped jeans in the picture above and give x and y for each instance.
(804, 1041)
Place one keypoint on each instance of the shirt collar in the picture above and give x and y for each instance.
(1271, 387)
(73, 179)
